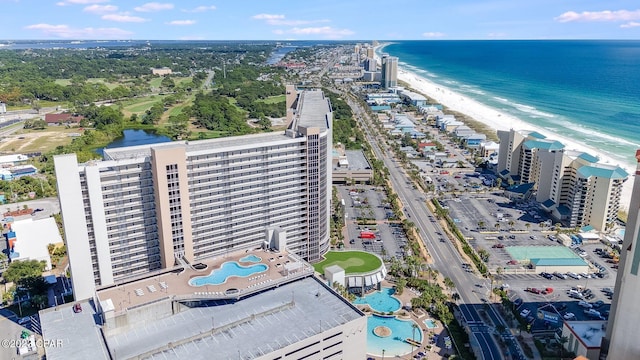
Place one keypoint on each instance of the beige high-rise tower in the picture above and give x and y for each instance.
(621, 338)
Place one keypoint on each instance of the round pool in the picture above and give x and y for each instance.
(381, 301)
(395, 344)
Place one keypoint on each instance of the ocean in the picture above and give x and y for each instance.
(588, 91)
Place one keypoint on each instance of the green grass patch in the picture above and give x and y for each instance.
(155, 82)
(350, 261)
(63, 82)
(42, 103)
(273, 99)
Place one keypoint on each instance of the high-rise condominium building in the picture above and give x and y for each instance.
(151, 207)
(624, 317)
(571, 185)
(389, 71)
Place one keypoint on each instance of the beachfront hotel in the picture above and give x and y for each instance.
(389, 71)
(572, 186)
(152, 207)
(620, 340)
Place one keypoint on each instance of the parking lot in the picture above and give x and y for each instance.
(368, 202)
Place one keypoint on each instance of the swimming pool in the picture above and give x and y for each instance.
(620, 233)
(430, 323)
(251, 258)
(227, 270)
(381, 301)
(394, 344)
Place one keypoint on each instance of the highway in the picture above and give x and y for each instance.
(473, 291)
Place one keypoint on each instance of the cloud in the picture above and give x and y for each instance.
(181, 22)
(433, 34)
(279, 20)
(324, 31)
(605, 15)
(66, 32)
(123, 18)
(267, 17)
(200, 9)
(80, 2)
(496, 34)
(100, 9)
(153, 6)
(630, 24)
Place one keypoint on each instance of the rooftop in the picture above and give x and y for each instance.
(314, 107)
(33, 237)
(221, 329)
(142, 151)
(541, 252)
(603, 171)
(544, 144)
(590, 332)
(357, 160)
(281, 267)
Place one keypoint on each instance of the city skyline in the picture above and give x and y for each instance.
(287, 20)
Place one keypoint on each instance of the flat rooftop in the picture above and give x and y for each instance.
(357, 160)
(521, 253)
(154, 287)
(80, 335)
(245, 329)
(142, 151)
(590, 332)
(314, 107)
(214, 329)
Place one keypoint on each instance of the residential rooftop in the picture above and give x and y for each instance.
(603, 171)
(222, 329)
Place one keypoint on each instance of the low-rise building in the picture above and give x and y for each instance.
(584, 337)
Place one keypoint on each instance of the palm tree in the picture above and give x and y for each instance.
(511, 223)
(528, 226)
(563, 340)
(497, 226)
(414, 326)
(481, 224)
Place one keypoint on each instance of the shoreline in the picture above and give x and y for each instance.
(497, 120)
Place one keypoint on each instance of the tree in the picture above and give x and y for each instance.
(527, 225)
(481, 225)
(449, 283)
(414, 327)
(23, 269)
(563, 340)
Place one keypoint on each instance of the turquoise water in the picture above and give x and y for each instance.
(251, 258)
(227, 270)
(381, 301)
(581, 89)
(430, 323)
(393, 345)
(620, 233)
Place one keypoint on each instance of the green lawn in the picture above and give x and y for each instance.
(273, 99)
(350, 261)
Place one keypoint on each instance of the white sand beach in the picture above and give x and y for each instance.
(500, 121)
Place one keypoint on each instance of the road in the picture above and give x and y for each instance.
(473, 291)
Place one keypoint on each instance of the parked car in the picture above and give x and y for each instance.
(24, 320)
(559, 275)
(598, 304)
(497, 246)
(585, 304)
(524, 313)
(547, 291)
(569, 316)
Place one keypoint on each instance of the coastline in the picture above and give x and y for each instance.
(498, 120)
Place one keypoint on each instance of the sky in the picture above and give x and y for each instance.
(319, 19)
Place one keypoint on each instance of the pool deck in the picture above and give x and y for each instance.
(436, 352)
(175, 284)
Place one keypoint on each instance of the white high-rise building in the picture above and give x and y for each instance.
(150, 207)
(624, 317)
(571, 185)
